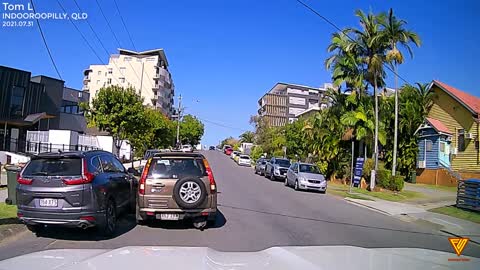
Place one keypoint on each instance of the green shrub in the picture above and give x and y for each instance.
(368, 166)
(382, 179)
(397, 183)
(256, 153)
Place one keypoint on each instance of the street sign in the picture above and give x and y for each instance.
(357, 174)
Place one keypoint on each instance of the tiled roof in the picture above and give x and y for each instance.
(470, 102)
(438, 126)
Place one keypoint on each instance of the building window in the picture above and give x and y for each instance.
(128, 58)
(110, 71)
(429, 145)
(122, 70)
(70, 107)
(122, 80)
(16, 101)
(98, 82)
(109, 81)
(99, 73)
(442, 147)
(461, 140)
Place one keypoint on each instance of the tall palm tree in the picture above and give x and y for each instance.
(247, 137)
(371, 46)
(397, 35)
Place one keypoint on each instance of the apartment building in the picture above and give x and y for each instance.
(285, 101)
(147, 72)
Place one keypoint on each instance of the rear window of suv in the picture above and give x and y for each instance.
(54, 167)
(174, 168)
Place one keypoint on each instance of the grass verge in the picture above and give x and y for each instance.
(451, 189)
(8, 214)
(342, 190)
(458, 213)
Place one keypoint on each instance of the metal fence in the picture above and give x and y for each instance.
(29, 147)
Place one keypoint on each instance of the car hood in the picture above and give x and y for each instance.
(319, 257)
(312, 176)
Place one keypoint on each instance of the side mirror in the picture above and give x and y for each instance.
(133, 171)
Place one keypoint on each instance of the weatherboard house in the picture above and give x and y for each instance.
(448, 140)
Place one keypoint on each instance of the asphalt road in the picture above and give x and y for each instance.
(256, 213)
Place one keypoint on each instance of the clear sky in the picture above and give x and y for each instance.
(224, 55)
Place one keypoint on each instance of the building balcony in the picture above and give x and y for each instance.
(86, 79)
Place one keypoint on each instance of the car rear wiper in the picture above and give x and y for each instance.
(40, 173)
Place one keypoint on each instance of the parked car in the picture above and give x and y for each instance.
(277, 168)
(234, 154)
(211, 147)
(225, 147)
(74, 189)
(177, 186)
(305, 176)
(187, 148)
(260, 166)
(244, 160)
(228, 151)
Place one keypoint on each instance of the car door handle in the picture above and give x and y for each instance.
(158, 185)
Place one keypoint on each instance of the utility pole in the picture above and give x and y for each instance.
(179, 115)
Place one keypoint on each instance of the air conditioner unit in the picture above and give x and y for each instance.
(469, 136)
(454, 151)
(421, 164)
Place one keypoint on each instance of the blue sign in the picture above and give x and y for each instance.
(358, 171)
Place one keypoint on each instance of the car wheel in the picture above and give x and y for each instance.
(255, 171)
(296, 185)
(110, 225)
(272, 176)
(35, 228)
(189, 192)
(286, 182)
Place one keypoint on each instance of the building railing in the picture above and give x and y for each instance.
(29, 147)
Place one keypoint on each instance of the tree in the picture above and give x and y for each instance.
(396, 34)
(159, 132)
(247, 137)
(118, 111)
(191, 130)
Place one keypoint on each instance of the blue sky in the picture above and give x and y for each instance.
(224, 55)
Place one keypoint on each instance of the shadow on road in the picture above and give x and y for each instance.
(220, 221)
(124, 225)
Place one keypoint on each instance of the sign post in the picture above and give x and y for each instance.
(357, 175)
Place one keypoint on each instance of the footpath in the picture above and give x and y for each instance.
(416, 209)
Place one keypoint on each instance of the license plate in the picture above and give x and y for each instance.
(48, 202)
(168, 216)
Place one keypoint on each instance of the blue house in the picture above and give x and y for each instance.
(434, 140)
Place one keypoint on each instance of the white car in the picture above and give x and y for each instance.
(244, 160)
(187, 148)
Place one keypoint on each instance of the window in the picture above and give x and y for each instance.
(107, 164)
(118, 165)
(461, 140)
(95, 166)
(16, 101)
(122, 70)
(176, 168)
(98, 82)
(109, 81)
(128, 59)
(110, 71)
(429, 145)
(442, 147)
(70, 107)
(99, 73)
(122, 80)
(54, 167)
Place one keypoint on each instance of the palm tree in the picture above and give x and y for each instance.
(247, 137)
(396, 34)
(371, 47)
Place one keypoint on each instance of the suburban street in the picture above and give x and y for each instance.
(255, 213)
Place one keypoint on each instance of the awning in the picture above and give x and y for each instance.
(34, 118)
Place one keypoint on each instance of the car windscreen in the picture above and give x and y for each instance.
(307, 168)
(244, 157)
(283, 162)
(175, 168)
(54, 167)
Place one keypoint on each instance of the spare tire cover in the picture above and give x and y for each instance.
(189, 192)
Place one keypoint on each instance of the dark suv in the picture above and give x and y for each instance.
(74, 189)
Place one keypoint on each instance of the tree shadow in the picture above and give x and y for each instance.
(219, 222)
(4, 221)
(124, 225)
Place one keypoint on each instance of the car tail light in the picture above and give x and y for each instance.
(88, 218)
(213, 185)
(87, 177)
(23, 181)
(19, 215)
(143, 178)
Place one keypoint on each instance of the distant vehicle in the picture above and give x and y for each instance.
(235, 155)
(277, 168)
(74, 189)
(187, 148)
(260, 166)
(244, 160)
(176, 186)
(228, 151)
(211, 147)
(305, 176)
(225, 147)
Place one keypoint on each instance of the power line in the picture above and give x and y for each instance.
(124, 25)
(84, 38)
(348, 36)
(219, 124)
(45, 42)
